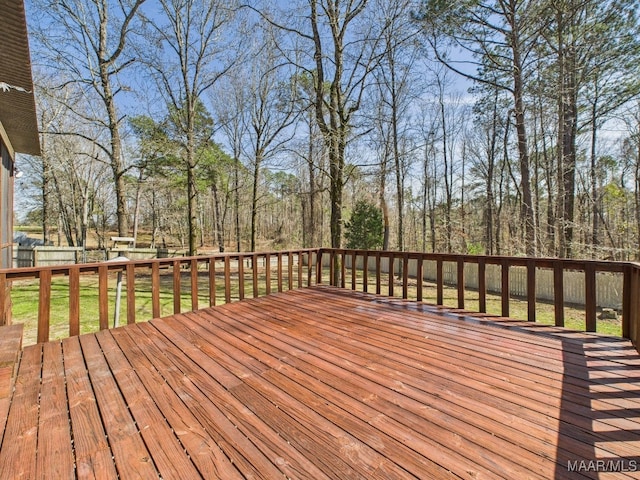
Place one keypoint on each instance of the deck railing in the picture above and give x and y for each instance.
(225, 277)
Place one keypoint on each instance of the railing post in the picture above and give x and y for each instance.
(531, 290)
(627, 293)
(319, 255)
(290, 270)
(155, 289)
(343, 269)
(44, 303)
(506, 292)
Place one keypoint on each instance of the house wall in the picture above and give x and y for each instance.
(6, 223)
(6, 206)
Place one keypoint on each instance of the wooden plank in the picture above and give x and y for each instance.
(347, 384)
(55, 457)
(168, 455)
(218, 412)
(464, 383)
(93, 457)
(332, 418)
(206, 454)
(20, 435)
(130, 454)
(10, 348)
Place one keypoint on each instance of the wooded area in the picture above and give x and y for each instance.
(501, 127)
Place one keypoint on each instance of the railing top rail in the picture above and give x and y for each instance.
(540, 262)
(57, 270)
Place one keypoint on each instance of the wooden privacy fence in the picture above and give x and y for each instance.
(233, 276)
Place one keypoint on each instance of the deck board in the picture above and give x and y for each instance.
(324, 383)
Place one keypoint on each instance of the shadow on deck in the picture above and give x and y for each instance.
(326, 383)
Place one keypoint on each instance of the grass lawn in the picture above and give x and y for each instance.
(24, 298)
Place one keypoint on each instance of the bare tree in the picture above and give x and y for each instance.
(189, 49)
(85, 42)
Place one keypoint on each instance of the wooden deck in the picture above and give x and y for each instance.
(323, 383)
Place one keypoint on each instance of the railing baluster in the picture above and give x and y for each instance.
(212, 282)
(194, 283)
(482, 285)
(365, 271)
(627, 286)
(343, 269)
(155, 290)
(103, 297)
(5, 300)
(558, 292)
(177, 307)
(44, 305)
(391, 274)
(419, 277)
(299, 257)
(279, 271)
(74, 301)
(254, 272)
(531, 290)
(131, 293)
(505, 289)
(439, 283)
(460, 282)
(405, 275)
(354, 278)
(378, 273)
(290, 270)
(241, 277)
(267, 272)
(590, 297)
(227, 279)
